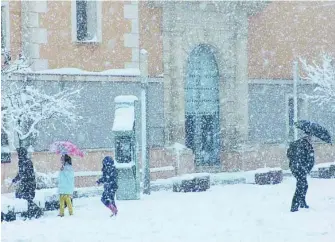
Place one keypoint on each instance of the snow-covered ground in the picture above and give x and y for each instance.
(243, 212)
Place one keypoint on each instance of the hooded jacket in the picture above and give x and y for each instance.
(109, 174)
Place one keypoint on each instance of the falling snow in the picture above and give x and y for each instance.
(173, 91)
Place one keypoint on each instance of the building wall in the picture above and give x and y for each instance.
(61, 51)
(95, 104)
(285, 31)
(272, 46)
(127, 27)
(268, 112)
(151, 37)
(14, 28)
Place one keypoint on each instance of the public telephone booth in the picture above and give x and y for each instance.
(126, 161)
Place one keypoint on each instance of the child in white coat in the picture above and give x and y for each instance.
(65, 185)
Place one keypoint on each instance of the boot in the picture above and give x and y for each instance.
(294, 209)
(304, 205)
(113, 209)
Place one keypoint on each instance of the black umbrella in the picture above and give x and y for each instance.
(314, 129)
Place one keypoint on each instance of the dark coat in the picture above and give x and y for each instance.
(301, 156)
(25, 177)
(109, 175)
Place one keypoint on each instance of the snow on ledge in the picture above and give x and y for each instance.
(125, 99)
(160, 169)
(178, 147)
(124, 119)
(124, 165)
(77, 71)
(323, 165)
(250, 175)
(267, 169)
(188, 177)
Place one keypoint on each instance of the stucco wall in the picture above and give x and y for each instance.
(283, 31)
(151, 37)
(62, 52)
(15, 28)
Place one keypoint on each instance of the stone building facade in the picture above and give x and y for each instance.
(219, 74)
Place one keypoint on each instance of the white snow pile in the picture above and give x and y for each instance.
(124, 119)
(178, 147)
(250, 175)
(188, 177)
(322, 165)
(13, 204)
(124, 113)
(267, 169)
(124, 165)
(125, 99)
(46, 180)
(88, 191)
(233, 213)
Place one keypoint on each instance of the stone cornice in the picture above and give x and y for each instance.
(79, 78)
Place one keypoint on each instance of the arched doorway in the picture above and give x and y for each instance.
(202, 120)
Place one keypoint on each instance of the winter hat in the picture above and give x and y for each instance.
(108, 161)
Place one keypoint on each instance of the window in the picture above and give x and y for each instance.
(5, 152)
(301, 115)
(4, 27)
(86, 21)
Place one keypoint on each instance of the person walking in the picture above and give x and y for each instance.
(301, 157)
(26, 183)
(65, 185)
(109, 179)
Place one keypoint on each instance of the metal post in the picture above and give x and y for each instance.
(295, 97)
(144, 145)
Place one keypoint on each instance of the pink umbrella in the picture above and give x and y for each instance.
(66, 147)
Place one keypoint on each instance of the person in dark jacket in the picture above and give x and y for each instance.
(109, 179)
(26, 183)
(301, 156)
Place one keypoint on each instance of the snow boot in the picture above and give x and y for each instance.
(113, 209)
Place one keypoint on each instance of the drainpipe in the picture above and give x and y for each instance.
(295, 97)
(144, 145)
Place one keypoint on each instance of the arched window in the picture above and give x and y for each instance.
(202, 122)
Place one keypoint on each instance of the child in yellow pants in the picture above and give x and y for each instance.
(65, 185)
(65, 199)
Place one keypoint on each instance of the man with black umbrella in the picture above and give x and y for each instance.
(301, 156)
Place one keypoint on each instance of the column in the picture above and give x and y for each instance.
(242, 76)
(33, 35)
(132, 39)
(177, 91)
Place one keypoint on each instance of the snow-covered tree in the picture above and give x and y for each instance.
(24, 106)
(322, 75)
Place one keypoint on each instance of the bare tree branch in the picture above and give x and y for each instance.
(322, 75)
(25, 106)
